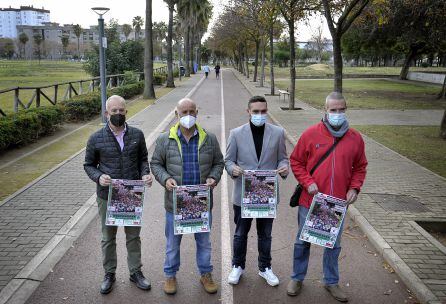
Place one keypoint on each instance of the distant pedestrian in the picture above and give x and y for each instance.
(206, 70)
(117, 151)
(186, 155)
(217, 71)
(341, 175)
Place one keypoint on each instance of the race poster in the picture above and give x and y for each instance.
(125, 203)
(191, 206)
(324, 220)
(259, 194)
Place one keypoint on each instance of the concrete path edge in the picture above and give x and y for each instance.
(414, 283)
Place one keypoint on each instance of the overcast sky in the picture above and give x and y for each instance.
(78, 11)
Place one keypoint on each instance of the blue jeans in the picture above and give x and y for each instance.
(173, 242)
(302, 255)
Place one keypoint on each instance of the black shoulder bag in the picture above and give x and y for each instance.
(294, 200)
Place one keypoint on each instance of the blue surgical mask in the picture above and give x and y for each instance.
(336, 119)
(258, 119)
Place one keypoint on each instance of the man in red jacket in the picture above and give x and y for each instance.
(341, 175)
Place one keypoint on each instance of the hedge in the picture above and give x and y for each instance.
(28, 125)
(83, 107)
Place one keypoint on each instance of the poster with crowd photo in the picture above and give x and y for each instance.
(324, 220)
(259, 194)
(125, 203)
(191, 206)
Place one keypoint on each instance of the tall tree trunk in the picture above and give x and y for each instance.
(443, 126)
(292, 65)
(338, 65)
(247, 60)
(149, 91)
(256, 63)
(271, 58)
(199, 53)
(240, 61)
(170, 81)
(407, 61)
(192, 51)
(262, 74)
(187, 51)
(78, 49)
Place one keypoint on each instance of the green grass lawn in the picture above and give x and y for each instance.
(323, 70)
(421, 144)
(14, 73)
(370, 94)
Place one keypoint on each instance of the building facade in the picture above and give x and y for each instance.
(10, 18)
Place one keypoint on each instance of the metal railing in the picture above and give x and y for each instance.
(51, 93)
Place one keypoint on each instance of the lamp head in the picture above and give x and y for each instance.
(100, 10)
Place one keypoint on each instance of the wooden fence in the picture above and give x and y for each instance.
(51, 93)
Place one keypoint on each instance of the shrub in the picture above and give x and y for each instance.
(159, 79)
(85, 106)
(130, 77)
(28, 125)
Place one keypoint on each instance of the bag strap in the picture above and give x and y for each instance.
(325, 155)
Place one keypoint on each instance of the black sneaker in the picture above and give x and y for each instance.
(140, 281)
(107, 283)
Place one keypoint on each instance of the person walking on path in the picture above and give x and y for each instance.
(206, 70)
(341, 175)
(217, 71)
(256, 145)
(186, 155)
(117, 151)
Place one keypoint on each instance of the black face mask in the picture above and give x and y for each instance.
(117, 120)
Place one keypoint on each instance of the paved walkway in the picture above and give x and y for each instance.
(30, 219)
(397, 194)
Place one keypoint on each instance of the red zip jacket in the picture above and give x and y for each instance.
(343, 169)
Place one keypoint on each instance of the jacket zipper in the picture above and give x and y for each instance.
(332, 169)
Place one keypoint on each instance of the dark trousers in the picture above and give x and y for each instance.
(264, 228)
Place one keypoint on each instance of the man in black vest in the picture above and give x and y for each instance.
(117, 151)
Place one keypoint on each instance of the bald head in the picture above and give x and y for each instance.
(114, 100)
(186, 106)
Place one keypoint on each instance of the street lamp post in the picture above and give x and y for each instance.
(102, 45)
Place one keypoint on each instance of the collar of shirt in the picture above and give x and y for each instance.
(119, 137)
(180, 135)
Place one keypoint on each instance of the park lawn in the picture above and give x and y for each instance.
(25, 170)
(422, 144)
(370, 94)
(324, 70)
(14, 73)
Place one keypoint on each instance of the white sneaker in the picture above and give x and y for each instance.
(234, 276)
(269, 276)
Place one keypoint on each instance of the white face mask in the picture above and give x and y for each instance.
(336, 119)
(188, 121)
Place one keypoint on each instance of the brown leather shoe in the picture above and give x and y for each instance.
(294, 288)
(170, 286)
(337, 293)
(208, 283)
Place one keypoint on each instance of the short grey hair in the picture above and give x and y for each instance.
(334, 96)
(114, 97)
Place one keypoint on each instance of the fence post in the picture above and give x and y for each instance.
(55, 93)
(80, 88)
(69, 90)
(16, 100)
(37, 97)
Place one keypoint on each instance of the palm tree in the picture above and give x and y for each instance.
(37, 42)
(137, 23)
(170, 80)
(149, 91)
(77, 29)
(193, 15)
(23, 38)
(126, 30)
(65, 40)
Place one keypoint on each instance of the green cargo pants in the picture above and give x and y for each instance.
(108, 243)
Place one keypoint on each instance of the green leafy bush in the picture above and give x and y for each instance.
(28, 125)
(159, 79)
